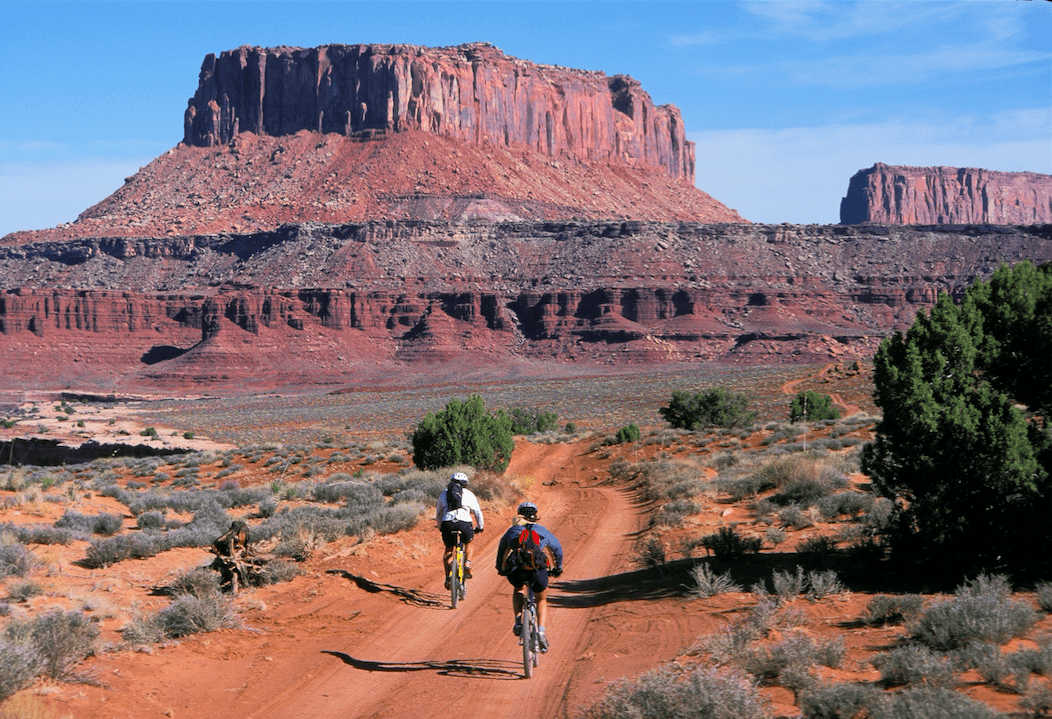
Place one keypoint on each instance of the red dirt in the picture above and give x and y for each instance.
(367, 631)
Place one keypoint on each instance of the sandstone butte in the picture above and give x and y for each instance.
(352, 215)
(946, 195)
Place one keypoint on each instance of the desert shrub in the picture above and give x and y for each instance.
(914, 664)
(267, 507)
(794, 516)
(987, 659)
(278, 571)
(788, 585)
(851, 504)
(712, 408)
(674, 692)
(19, 663)
(886, 609)
(817, 549)
(105, 552)
(789, 661)
(651, 552)
(726, 544)
(190, 614)
(981, 610)
(628, 433)
(152, 520)
(389, 520)
(673, 513)
(838, 701)
(804, 491)
(39, 534)
(61, 639)
(104, 524)
(774, 535)
(570, 428)
(822, 584)
(811, 406)
(199, 582)
(930, 703)
(463, 433)
(1043, 591)
(15, 560)
(24, 591)
(527, 420)
(708, 583)
(1038, 701)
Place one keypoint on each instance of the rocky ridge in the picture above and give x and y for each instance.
(329, 304)
(946, 195)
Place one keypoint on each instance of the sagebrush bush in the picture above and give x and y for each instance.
(61, 640)
(279, 570)
(708, 583)
(15, 560)
(914, 664)
(838, 701)
(190, 614)
(199, 582)
(19, 663)
(672, 692)
(981, 610)
(726, 544)
(930, 703)
(651, 552)
(787, 585)
(893, 609)
(1043, 591)
(822, 584)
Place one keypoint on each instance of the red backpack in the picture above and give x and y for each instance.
(526, 552)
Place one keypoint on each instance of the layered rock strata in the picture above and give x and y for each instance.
(318, 304)
(932, 195)
(473, 93)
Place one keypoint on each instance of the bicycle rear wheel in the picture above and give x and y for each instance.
(456, 578)
(526, 637)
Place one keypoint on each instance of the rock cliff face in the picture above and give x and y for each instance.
(472, 93)
(341, 304)
(950, 195)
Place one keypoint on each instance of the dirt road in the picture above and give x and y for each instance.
(370, 633)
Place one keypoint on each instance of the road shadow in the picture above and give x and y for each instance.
(409, 596)
(485, 668)
(675, 579)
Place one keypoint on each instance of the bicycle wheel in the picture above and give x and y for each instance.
(456, 572)
(526, 637)
(536, 648)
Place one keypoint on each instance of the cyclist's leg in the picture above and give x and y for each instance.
(540, 595)
(517, 598)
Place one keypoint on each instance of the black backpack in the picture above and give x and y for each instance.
(526, 550)
(454, 495)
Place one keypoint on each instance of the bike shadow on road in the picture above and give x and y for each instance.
(668, 580)
(485, 668)
(409, 596)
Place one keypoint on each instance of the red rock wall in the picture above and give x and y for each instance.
(946, 195)
(473, 93)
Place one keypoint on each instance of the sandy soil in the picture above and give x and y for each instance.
(367, 631)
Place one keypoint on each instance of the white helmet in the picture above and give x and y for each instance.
(460, 478)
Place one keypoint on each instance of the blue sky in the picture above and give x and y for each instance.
(786, 101)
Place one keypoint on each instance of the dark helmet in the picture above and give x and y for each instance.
(527, 510)
(460, 478)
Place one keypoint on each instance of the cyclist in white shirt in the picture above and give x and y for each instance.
(450, 519)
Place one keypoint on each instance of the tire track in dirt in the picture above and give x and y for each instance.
(790, 388)
(403, 660)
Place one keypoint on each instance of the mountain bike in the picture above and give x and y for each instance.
(531, 650)
(457, 580)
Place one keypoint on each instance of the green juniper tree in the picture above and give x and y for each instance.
(716, 407)
(464, 433)
(811, 406)
(968, 468)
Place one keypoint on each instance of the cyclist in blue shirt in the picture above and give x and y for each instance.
(509, 565)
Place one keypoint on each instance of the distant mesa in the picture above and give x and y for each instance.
(473, 93)
(946, 196)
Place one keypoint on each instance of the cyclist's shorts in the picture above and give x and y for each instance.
(537, 578)
(449, 529)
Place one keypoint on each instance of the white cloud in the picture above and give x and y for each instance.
(36, 196)
(799, 175)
